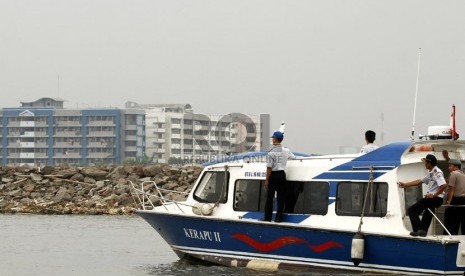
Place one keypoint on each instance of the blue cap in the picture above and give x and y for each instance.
(278, 135)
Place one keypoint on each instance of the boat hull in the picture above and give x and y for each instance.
(271, 246)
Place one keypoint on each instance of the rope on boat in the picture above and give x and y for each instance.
(357, 250)
(370, 187)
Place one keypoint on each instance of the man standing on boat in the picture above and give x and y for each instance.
(276, 161)
(370, 137)
(432, 200)
(454, 217)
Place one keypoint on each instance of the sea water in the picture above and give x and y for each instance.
(98, 245)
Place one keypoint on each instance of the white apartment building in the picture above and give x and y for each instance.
(175, 134)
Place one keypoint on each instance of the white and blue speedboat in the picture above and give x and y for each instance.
(219, 221)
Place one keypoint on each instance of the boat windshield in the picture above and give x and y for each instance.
(211, 186)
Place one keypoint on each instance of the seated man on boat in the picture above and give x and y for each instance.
(370, 137)
(275, 182)
(433, 198)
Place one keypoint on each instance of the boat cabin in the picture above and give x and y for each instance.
(329, 191)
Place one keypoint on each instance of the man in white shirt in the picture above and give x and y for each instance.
(275, 182)
(432, 199)
(370, 137)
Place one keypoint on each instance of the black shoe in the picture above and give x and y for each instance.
(419, 233)
(278, 220)
(265, 220)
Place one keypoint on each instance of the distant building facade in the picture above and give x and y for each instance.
(174, 133)
(43, 132)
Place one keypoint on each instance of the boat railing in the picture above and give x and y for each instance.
(439, 221)
(146, 200)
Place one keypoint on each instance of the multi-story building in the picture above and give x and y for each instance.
(174, 133)
(43, 132)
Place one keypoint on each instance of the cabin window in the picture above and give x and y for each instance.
(307, 197)
(350, 197)
(302, 197)
(249, 195)
(412, 194)
(212, 188)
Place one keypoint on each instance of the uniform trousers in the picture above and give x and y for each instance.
(421, 206)
(276, 184)
(454, 217)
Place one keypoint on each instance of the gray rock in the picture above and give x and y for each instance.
(15, 192)
(89, 180)
(36, 177)
(77, 177)
(100, 184)
(62, 195)
(3, 203)
(151, 170)
(29, 188)
(94, 172)
(35, 195)
(7, 179)
(174, 171)
(23, 169)
(122, 191)
(52, 190)
(78, 198)
(145, 179)
(71, 190)
(26, 201)
(96, 198)
(111, 199)
(67, 173)
(125, 200)
(180, 189)
(105, 191)
(160, 182)
(48, 170)
(121, 183)
(179, 197)
(170, 186)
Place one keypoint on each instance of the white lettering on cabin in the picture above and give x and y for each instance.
(202, 235)
(254, 174)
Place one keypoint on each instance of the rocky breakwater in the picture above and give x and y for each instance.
(87, 190)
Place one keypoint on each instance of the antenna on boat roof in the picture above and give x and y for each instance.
(453, 128)
(281, 128)
(412, 137)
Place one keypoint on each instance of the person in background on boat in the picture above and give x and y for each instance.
(275, 182)
(454, 217)
(432, 199)
(370, 137)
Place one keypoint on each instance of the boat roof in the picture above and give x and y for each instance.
(246, 156)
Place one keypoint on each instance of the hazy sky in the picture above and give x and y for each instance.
(327, 68)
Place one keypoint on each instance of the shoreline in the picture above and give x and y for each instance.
(99, 190)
